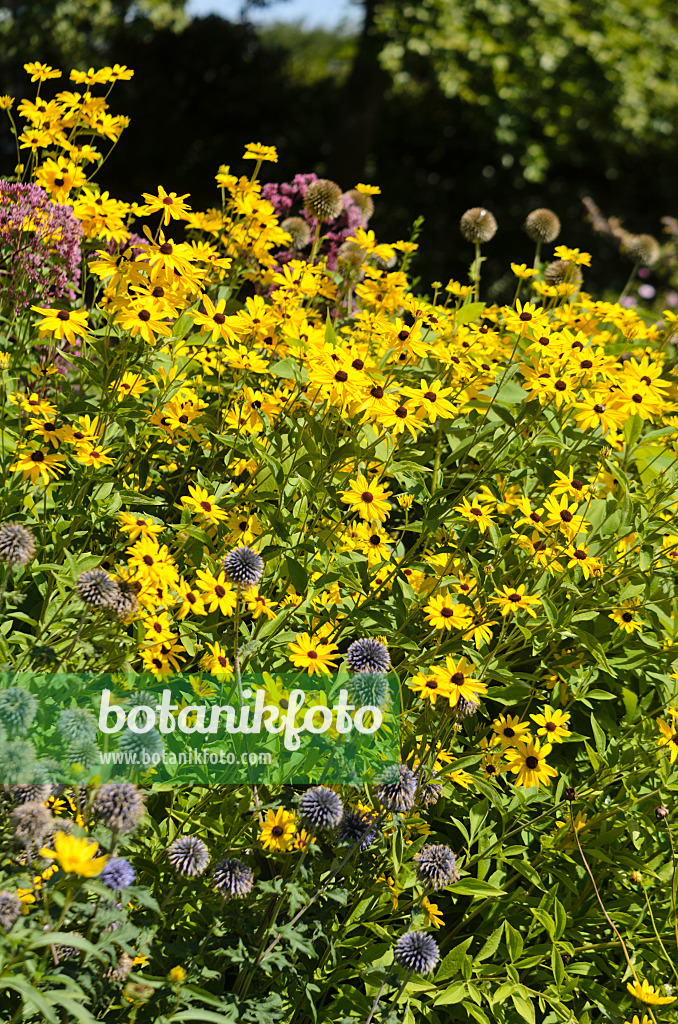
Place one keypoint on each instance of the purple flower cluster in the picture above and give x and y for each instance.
(287, 199)
(39, 246)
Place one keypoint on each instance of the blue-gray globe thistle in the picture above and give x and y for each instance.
(38, 792)
(243, 566)
(369, 689)
(119, 973)
(18, 762)
(321, 808)
(86, 754)
(188, 856)
(397, 788)
(232, 878)
(368, 655)
(437, 866)
(357, 827)
(18, 708)
(119, 805)
(464, 708)
(124, 603)
(77, 725)
(416, 951)
(96, 588)
(17, 544)
(31, 822)
(118, 874)
(429, 793)
(144, 743)
(10, 910)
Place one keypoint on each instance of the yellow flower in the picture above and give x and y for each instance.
(312, 654)
(625, 617)
(6, 102)
(522, 271)
(669, 734)
(646, 994)
(527, 762)
(553, 724)
(443, 613)
(41, 72)
(510, 730)
(277, 832)
(62, 323)
(177, 975)
(645, 1020)
(78, 856)
(514, 599)
(37, 465)
(255, 151)
(457, 681)
(583, 259)
(368, 190)
(475, 512)
(432, 914)
(368, 499)
(169, 204)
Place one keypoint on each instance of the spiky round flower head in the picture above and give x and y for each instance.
(430, 793)
(38, 792)
(143, 744)
(364, 203)
(232, 878)
(464, 708)
(17, 709)
(10, 910)
(542, 225)
(382, 263)
(188, 856)
(369, 688)
(368, 655)
(243, 566)
(64, 952)
(416, 951)
(17, 544)
(351, 256)
(323, 199)
(357, 827)
(17, 762)
(298, 228)
(85, 754)
(96, 588)
(124, 603)
(562, 272)
(478, 225)
(31, 823)
(321, 808)
(117, 874)
(119, 973)
(642, 249)
(119, 805)
(436, 865)
(397, 788)
(77, 725)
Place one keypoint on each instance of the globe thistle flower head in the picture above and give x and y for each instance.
(18, 708)
(351, 256)
(383, 263)
(642, 249)
(10, 910)
(31, 822)
(17, 544)
(119, 805)
(96, 588)
(478, 225)
(188, 856)
(464, 708)
(437, 866)
(323, 199)
(298, 228)
(18, 764)
(397, 788)
(77, 725)
(542, 225)
(118, 874)
(122, 968)
(232, 878)
(416, 951)
(64, 952)
(124, 602)
(430, 793)
(364, 203)
(562, 272)
(144, 744)
(243, 567)
(321, 808)
(85, 754)
(369, 689)
(357, 828)
(368, 655)
(38, 792)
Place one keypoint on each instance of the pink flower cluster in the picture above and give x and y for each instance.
(39, 247)
(288, 198)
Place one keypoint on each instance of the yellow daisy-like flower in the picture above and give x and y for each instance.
(669, 733)
(368, 499)
(313, 655)
(62, 323)
(218, 592)
(78, 856)
(41, 72)
(647, 994)
(217, 662)
(277, 832)
(255, 151)
(203, 504)
(522, 271)
(475, 512)
(6, 102)
(552, 724)
(510, 730)
(177, 975)
(635, 1020)
(625, 618)
(580, 259)
(528, 764)
(443, 613)
(169, 204)
(38, 465)
(513, 599)
(433, 916)
(368, 190)
(457, 679)
(429, 686)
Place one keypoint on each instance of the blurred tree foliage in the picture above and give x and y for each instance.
(549, 74)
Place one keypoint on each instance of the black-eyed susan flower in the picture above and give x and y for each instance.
(513, 599)
(458, 681)
(369, 500)
(442, 612)
(41, 72)
(77, 856)
(277, 832)
(627, 618)
(509, 730)
(647, 994)
(527, 761)
(524, 318)
(138, 526)
(562, 512)
(669, 734)
(552, 724)
(218, 593)
(314, 654)
(169, 204)
(589, 565)
(429, 686)
(256, 151)
(217, 661)
(62, 323)
(38, 465)
(476, 512)
(203, 504)
(432, 400)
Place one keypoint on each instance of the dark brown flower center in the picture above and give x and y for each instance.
(531, 762)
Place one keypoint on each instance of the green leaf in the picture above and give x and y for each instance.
(599, 737)
(524, 1006)
(469, 313)
(491, 945)
(454, 993)
(474, 887)
(514, 941)
(297, 574)
(451, 965)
